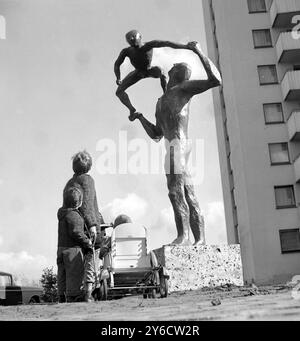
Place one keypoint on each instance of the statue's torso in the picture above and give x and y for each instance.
(173, 115)
(140, 58)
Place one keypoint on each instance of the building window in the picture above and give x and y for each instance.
(273, 113)
(267, 74)
(257, 6)
(290, 240)
(285, 197)
(262, 38)
(279, 153)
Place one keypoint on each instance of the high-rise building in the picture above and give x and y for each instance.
(256, 46)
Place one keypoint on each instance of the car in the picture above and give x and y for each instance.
(12, 294)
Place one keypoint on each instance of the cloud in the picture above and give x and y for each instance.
(132, 205)
(24, 265)
(215, 226)
(164, 230)
(167, 216)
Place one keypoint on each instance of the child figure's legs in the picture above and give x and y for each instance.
(61, 275)
(89, 273)
(74, 267)
(132, 78)
(157, 72)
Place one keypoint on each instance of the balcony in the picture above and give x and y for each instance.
(282, 12)
(291, 86)
(297, 169)
(288, 49)
(293, 125)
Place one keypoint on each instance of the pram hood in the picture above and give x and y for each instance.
(130, 230)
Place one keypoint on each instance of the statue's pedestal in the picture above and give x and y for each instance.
(195, 267)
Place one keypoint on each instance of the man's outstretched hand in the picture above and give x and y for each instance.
(194, 46)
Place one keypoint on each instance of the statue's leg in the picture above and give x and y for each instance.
(180, 207)
(157, 72)
(132, 78)
(196, 219)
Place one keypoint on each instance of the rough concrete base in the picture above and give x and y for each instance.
(194, 267)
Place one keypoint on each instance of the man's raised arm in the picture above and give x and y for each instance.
(213, 77)
(118, 63)
(164, 43)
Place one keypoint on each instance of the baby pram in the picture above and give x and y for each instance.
(127, 266)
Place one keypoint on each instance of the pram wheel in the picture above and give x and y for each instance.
(101, 293)
(154, 265)
(153, 260)
(163, 286)
(152, 293)
(103, 290)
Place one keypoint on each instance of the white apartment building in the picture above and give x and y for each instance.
(256, 46)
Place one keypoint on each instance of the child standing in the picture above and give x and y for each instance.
(72, 242)
(82, 163)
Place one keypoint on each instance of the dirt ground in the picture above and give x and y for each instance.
(225, 303)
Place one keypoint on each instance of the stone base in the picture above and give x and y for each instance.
(195, 267)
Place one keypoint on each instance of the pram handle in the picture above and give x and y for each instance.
(106, 226)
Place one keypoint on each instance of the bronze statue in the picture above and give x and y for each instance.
(140, 56)
(172, 118)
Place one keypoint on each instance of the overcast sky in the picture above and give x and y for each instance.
(57, 95)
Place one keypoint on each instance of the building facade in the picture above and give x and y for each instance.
(256, 46)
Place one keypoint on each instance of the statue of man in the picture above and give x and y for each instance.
(140, 56)
(172, 118)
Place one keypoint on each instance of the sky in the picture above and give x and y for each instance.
(57, 95)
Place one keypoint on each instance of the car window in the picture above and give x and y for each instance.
(5, 280)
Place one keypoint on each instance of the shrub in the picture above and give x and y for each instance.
(49, 284)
